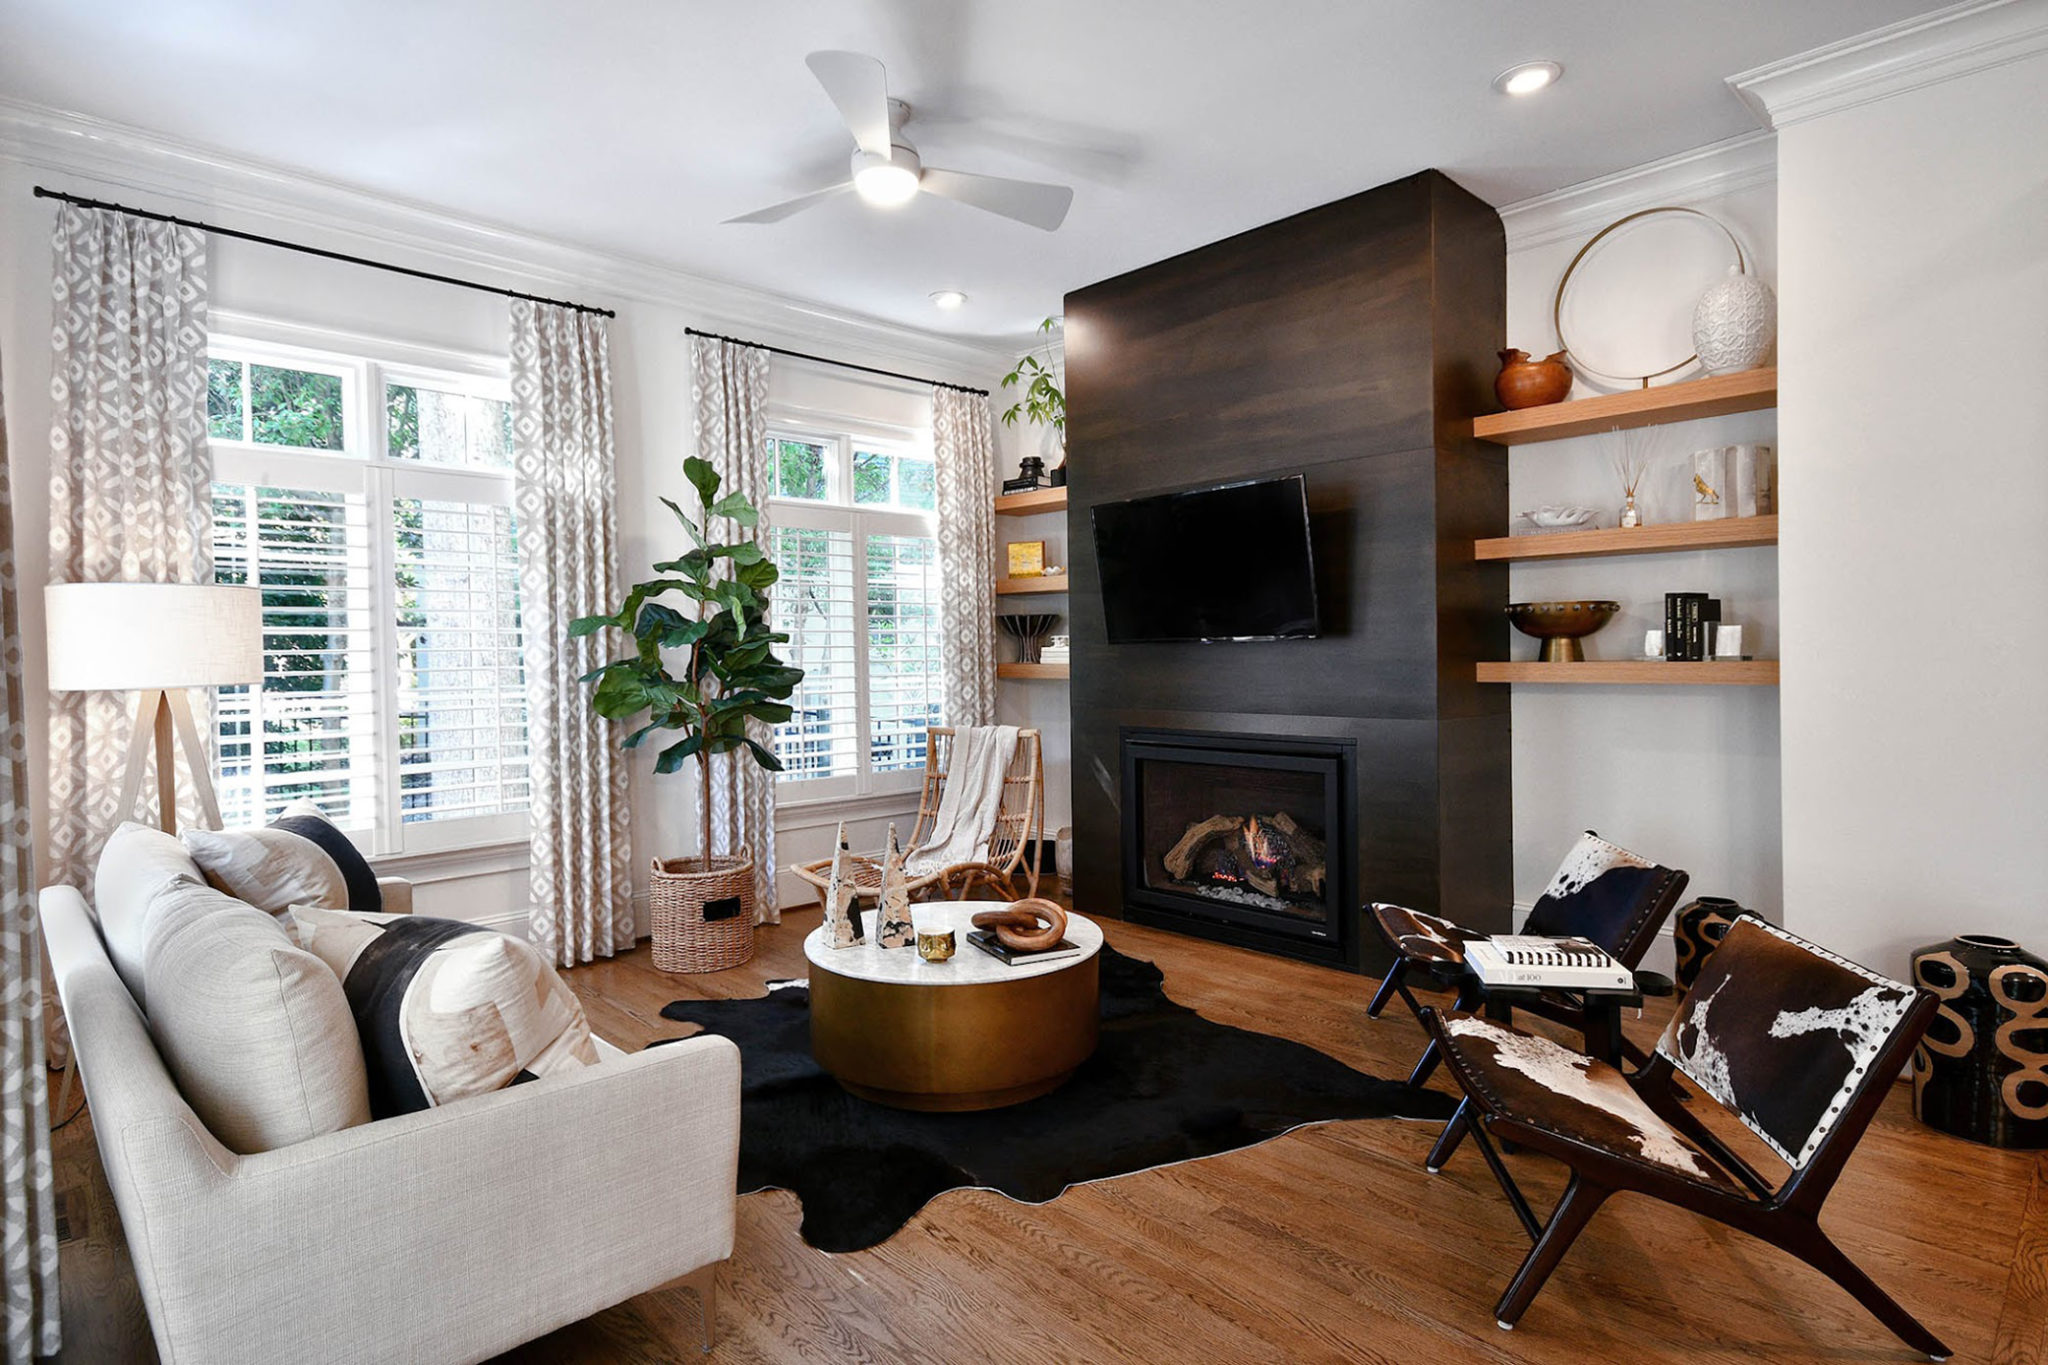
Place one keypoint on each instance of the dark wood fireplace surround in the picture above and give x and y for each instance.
(1352, 343)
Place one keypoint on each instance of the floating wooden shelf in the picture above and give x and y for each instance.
(1733, 672)
(1027, 504)
(1031, 670)
(1713, 396)
(1017, 587)
(1728, 533)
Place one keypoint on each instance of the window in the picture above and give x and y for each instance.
(859, 597)
(372, 504)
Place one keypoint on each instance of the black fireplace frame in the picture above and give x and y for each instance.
(1333, 941)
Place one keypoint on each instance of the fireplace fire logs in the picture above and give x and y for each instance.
(1269, 854)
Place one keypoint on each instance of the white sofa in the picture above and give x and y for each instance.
(446, 1235)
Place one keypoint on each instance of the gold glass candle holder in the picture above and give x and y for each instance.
(935, 945)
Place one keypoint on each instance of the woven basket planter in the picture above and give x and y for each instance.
(684, 941)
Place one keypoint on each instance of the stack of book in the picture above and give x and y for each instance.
(986, 940)
(1689, 619)
(1057, 649)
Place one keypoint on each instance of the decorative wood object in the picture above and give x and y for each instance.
(1526, 383)
(842, 913)
(1043, 583)
(1665, 538)
(1028, 926)
(1981, 1072)
(1561, 625)
(1715, 396)
(892, 917)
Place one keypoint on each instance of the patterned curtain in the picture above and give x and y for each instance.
(964, 444)
(28, 1216)
(581, 867)
(732, 433)
(131, 495)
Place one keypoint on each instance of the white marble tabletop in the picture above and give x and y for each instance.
(969, 965)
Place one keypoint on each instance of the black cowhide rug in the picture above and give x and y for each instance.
(1165, 1085)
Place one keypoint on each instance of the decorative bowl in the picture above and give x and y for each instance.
(1560, 625)
(1553, 517)
(1028, 629)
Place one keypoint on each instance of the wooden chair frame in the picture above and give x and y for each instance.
(1558, 1006)
(1787, 1217)
(1012, 844)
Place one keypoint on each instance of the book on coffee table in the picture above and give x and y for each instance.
(986, 940)
(1574, 964)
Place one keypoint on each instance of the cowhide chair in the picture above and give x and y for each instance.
(1798, 1044)
(1602, 892)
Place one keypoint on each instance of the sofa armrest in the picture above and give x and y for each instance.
(451, 1234)
(397, 894)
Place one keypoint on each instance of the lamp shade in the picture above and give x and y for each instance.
(118, 637)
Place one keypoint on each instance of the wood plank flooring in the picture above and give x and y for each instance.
(1328, 1244)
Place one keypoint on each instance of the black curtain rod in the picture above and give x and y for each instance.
(85, 203)
(842, 364)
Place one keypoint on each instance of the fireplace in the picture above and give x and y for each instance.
(1245, 838)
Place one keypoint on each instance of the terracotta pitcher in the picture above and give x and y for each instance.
(1526, 383)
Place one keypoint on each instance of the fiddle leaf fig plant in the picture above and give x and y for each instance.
(730, 673)
(1043, 400)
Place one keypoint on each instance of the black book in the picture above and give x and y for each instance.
(1674, 643)
(986, 940)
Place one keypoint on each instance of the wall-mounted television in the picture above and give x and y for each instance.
(1230, 562)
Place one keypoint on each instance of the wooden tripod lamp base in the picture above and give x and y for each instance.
(159, 712)
(156, 639)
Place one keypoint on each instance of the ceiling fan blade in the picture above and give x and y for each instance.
(775, 213)
(860, 89)
(1027, 201)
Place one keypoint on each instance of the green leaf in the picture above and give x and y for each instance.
(735, 507)
(589, 625)
(704, 478)
(765, 758)
(676, 755)
(746, 552)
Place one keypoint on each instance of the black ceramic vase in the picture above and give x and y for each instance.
(1982, 1070)
(1696, 930)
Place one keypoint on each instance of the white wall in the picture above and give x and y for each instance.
(1687, 775)
(1913, 232)
(650, 360)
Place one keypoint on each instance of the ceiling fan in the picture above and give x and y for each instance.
(886, 168)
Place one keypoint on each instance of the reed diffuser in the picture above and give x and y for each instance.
(1631, 456)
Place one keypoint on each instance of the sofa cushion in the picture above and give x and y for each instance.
(137, 862)
(255, 1029)
(300, 858)
(446, 1009)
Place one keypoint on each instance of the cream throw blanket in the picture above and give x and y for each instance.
(971, 801)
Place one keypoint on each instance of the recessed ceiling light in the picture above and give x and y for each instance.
(1527, 78)
(948, 299)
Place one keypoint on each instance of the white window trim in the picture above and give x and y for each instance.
(363, 466)
(838, 512)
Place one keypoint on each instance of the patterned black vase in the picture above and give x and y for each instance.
(1982, 1071)
(1696, 930)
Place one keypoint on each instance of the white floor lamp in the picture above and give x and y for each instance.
(157, 639)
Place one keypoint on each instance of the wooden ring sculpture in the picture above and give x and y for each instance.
(1018, 928)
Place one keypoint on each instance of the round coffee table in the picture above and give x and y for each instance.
(969, 1033)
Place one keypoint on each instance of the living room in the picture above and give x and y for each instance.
(910, 681)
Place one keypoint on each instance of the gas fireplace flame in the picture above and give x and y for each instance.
(1263, 847)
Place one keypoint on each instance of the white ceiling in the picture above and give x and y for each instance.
(637, 125)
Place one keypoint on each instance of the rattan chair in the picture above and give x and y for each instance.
(1012, 845)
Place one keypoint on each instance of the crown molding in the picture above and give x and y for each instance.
(1889, 61)
(118, 161)
(1578, 211)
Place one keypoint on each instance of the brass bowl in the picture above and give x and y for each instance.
(1560, 625)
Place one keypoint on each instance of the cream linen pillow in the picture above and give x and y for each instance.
(137, 862)
(256, 1030)
(299, 858)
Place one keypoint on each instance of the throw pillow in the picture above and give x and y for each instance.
(300, 858)
(446, 1009)
(137, 862)
(255, 1029)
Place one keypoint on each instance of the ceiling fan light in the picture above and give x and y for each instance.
(1527, 78)
(886, 184)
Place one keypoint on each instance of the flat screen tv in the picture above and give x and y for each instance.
(1225, 563)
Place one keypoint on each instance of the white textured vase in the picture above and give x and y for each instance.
(1735, 323)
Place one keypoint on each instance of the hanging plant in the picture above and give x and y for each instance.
(1043, 400)
(731, 674)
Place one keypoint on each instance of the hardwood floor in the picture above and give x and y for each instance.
(1328, 1244)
